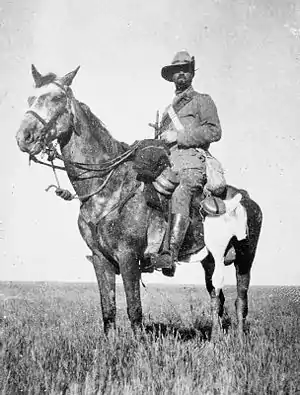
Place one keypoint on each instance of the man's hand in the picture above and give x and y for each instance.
(169, 136)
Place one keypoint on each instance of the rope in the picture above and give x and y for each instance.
(34, 159)
(67, 195)
(55, 175)
(62, 193)
(88, 195)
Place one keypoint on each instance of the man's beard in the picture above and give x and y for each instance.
(182, 84)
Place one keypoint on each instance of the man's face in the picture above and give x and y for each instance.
(183, 78)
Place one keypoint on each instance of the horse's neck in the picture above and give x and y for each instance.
(92, 144)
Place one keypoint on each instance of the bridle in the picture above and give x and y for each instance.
(104, 169)
(51, 124)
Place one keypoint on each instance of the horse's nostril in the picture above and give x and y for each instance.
(27, 136)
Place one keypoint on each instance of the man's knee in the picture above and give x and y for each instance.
(181, 200)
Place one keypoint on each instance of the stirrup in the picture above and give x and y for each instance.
(213, 206)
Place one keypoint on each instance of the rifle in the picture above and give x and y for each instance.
(156, 126)
(166, 243)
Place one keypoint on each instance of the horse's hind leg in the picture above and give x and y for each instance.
(241, 303)
(216, 238)
(243, 265)
(217, 297)
(245, 253)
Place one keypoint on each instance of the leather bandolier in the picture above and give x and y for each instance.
(178, 104)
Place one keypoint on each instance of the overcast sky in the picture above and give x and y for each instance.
(248, 58)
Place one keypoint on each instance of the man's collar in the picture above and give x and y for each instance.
(187, 91)
(184, 96)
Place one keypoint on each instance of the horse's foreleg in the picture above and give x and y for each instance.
(106, 278)
(105, 274)
(131, 279)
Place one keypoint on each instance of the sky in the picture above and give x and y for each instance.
(248, 59)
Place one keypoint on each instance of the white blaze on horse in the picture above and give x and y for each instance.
(117, 218)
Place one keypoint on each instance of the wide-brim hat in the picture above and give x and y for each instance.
(182, 60)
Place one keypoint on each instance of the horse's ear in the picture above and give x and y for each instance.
(36, 75)
(68, 78)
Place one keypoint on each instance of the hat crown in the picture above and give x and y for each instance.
(182, 57)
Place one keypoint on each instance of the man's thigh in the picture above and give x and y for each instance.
(190, 180)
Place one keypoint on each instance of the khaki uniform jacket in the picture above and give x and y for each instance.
(201, 128)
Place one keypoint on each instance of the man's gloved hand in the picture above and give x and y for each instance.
(169, 136)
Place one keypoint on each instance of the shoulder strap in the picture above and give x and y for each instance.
(178, 104)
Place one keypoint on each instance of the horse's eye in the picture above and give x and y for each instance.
(56, 98)
(30, 100)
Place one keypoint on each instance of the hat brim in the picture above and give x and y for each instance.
(167, 72)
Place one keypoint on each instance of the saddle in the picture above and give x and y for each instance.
(151, 162)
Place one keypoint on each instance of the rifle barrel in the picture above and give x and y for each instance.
(156, 135)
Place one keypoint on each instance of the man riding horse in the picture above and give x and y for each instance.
(114, 217)
(189, 125)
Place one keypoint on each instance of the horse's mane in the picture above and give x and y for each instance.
(100, 131)
(94, 122)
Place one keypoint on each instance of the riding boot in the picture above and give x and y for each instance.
(180, 225)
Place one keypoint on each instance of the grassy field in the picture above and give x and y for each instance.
(53, 343)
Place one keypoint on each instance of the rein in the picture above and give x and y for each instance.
(105, 166)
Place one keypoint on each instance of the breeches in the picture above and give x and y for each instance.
(190, 181)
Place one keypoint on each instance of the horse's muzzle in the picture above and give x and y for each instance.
(27, 136)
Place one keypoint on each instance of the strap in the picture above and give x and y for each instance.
(178, 104)
(176, 121)
(37, 116)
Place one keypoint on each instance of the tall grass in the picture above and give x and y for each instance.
(54, 344)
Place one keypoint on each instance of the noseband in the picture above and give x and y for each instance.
(52, 123)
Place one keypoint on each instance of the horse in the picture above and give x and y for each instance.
(115, 219)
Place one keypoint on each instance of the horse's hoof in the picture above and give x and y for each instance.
(148, 269)
(169, 272)
(162, 261)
